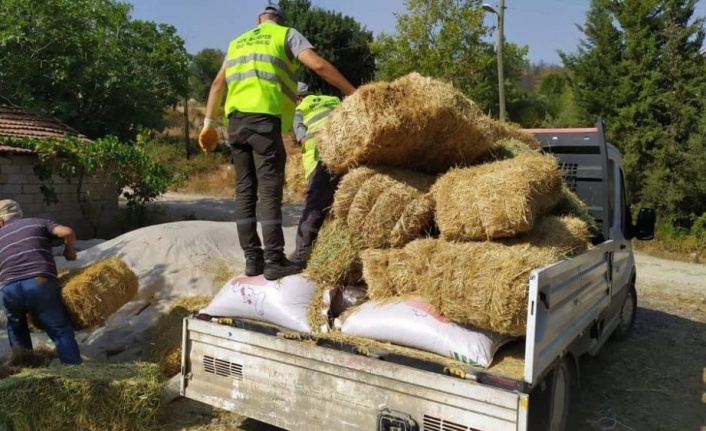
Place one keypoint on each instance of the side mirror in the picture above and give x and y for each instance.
(644, 229)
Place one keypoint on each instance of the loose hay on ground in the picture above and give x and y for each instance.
(481, 284)
(496, 200)
(20, 359)
(96, 292)
(165, 335)
(335, 256)
(414, 122)
(89, 397)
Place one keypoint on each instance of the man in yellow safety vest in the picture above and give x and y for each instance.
(311, 114)
(258, 80)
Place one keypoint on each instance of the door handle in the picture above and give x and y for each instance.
(623, 246)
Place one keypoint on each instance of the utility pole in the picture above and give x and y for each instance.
(501, 72)
(500, 12)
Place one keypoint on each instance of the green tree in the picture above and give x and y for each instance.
(640, 68)
(446, 39)
(204, 66)
(339, 39)
(89, 64)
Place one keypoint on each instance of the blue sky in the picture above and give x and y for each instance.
(546, 26)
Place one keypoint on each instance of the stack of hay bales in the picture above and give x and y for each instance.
(89, 397)
(442, 203)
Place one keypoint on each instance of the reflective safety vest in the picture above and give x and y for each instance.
(261, 78)
(314, 111)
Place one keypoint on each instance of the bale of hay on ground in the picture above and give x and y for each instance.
(96, 292)
(378, 208)
(496, 200)
(295, 184)
(89, 397)
(481, 284)
(335, 256)
(414, 122)
(571, 204)
(165, 335)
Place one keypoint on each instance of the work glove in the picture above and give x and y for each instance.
(208, 138)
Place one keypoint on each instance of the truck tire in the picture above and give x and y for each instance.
(560, 397)
(549, 405)
(627, 316)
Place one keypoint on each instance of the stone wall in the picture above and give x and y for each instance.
(19, 182)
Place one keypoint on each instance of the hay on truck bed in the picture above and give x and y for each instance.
(94, 293)
(166, 334)
(20, 359)
(414, 122)
(335, 256)
(89, 397)
(390, 202)
(505, 149)
(571, 204)
(349, 186)
(496, 200)
(481, 284)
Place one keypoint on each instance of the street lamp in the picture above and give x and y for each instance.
(500, 12)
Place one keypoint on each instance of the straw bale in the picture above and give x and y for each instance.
(496, 200)
(335, 256)
(381, 203)
(505, 149)
(414, 122)
(165, 334)
(347, 189)
(96, 292)
(417, 220)
(571, 204)
(567, 235)
(481, 284)
(505, 130)
(89, 397)
(295, 183)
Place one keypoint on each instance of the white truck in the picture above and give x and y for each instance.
(574, 306)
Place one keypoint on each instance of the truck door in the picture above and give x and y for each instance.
(623, 259)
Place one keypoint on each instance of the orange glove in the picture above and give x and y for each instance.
(208, 138)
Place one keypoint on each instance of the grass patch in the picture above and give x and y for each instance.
(675, 243)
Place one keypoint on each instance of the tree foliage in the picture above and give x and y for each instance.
(447, 39)
(339, 39)
(641, 69)
(203, 67)
(89, 64)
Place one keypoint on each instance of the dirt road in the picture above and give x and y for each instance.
(651, 382)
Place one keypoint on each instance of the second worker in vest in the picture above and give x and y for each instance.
(258, 78)
(312, 111)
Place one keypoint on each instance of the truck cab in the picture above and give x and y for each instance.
(307, 381)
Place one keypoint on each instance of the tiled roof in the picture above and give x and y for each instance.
(17, 123)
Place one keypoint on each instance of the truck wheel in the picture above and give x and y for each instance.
(549, 403)
(560, 397)
(627, 316)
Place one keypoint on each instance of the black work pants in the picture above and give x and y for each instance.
(259, 158)
(318, 201)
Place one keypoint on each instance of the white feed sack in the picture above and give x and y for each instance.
(281, 302)
(417, 325)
